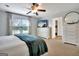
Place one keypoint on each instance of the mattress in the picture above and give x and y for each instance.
(13, 46)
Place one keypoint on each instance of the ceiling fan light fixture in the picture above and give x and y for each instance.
(33, 11)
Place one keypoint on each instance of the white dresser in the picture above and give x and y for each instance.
(43, 32)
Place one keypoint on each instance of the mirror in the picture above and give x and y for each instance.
(72, 17)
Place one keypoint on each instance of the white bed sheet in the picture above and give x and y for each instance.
(13, 46)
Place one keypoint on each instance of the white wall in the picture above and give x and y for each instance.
(3, 23)
(53, 27)
(33, 27)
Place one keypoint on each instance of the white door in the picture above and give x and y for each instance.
(59, 25)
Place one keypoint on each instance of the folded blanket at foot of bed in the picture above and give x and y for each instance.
(36, 44)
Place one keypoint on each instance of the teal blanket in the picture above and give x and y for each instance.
(36, 44)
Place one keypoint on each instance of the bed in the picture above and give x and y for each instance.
(14, 46)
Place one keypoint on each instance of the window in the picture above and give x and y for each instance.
(19, 25)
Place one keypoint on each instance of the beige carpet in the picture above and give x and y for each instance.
(58, 48)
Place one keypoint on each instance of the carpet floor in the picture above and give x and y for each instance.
(57, 48)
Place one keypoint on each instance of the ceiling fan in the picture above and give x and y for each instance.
(35, 8)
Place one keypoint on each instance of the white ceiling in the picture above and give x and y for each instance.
(51, 8)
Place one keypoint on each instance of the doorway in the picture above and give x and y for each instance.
(56, 28)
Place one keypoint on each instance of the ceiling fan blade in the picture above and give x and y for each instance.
(29, 12)
(35, 4)
(36, 13)
(42, 10)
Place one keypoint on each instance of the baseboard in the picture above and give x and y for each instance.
(70, 43)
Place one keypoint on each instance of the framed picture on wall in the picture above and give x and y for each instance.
(42, 23)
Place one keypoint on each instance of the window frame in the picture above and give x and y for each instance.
(11, 25)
